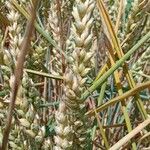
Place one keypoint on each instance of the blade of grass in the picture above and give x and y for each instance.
(101, 72)
(122, 125)
(120, 92)
(44, 74)
(102, 93)
(116, 73)
(101, 130)
(126, 95)
(100, 98)
(107, 23)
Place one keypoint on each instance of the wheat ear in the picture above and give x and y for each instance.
(76, 73)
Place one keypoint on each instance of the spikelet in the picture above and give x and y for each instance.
(63, 138)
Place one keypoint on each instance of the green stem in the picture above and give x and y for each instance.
(120, 98)
(102, 92)
(100, 98)
(104, 77)
(44, 74)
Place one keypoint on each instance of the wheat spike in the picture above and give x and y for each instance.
(136, 23)
(75, 78)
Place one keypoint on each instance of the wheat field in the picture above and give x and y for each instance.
(74, 75)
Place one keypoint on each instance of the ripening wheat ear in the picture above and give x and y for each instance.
(14, 34)
(75, 75)
(25, 111)
(136, 23)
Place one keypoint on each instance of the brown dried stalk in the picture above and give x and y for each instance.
(129, 136)
(18, 73)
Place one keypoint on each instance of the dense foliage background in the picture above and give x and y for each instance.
(74, 74)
